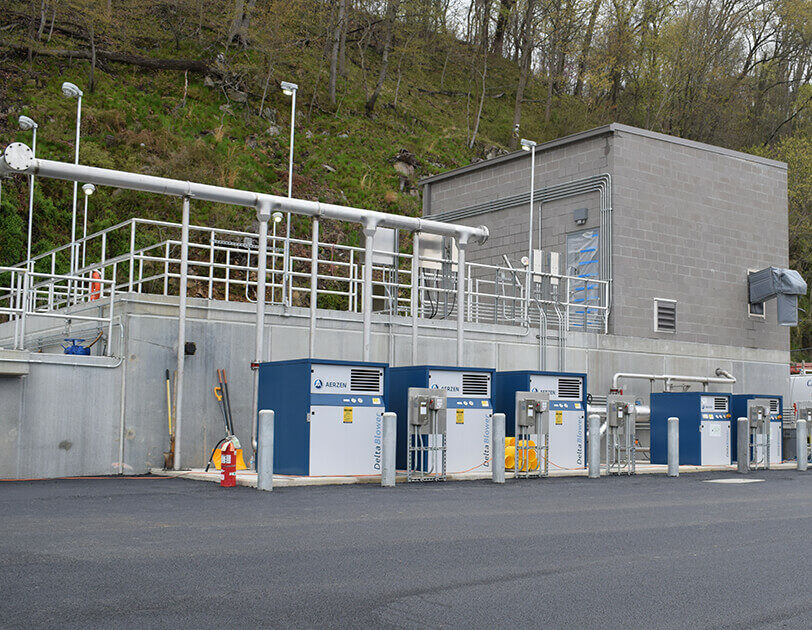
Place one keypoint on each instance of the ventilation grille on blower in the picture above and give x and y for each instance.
(774, 406)
(569, 388)
(475, 384)
(720, 403)
(365, 380)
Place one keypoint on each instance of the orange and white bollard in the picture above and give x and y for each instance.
(228, 465)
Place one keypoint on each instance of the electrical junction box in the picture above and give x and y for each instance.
(775, 405)
(567, 415)
(328, 415)
(468, 414)
(704, 427)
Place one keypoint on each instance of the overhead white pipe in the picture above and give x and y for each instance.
(18, 159)
(722, 377)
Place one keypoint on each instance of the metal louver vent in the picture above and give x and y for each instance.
(362, 380)
(569, 388)
(773, 405)
(475, 384)
(665, 316)
(720, 403)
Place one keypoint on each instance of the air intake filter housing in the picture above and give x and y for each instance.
(783, 284)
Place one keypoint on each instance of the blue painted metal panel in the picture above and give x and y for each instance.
(687, 407)
(284, 386)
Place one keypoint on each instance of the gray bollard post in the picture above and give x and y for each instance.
(801, 434)
(594, 445)
(390, 429)
(498, 450)
(265, 450)
(743, 446)
(673, 447)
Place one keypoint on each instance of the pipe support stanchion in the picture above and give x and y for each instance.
(594, 444)
(801, 437)
(673, 447)
(265, 450)
(390, 427)
(498, 450)
(743, 445)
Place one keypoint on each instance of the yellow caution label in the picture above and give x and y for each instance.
(460, 416)
(347, 414)
(559, 417)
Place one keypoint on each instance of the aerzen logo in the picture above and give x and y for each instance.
(317, 383)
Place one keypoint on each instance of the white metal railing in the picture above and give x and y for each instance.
(143, 256)
(25, 294)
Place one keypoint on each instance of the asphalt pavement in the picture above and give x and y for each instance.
(630, 552)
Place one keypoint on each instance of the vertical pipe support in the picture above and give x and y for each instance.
(370, 227)
(529, 278)
(415, 296)
(265, 450)
(264, 210)
(498, 448)
(673, 447)
(801, 437)
(462, 244)
(743, 445)
(181, 350)
(594, 444)
(314, 284)
(390, 427)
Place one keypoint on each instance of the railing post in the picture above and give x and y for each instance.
(132, 252)
(673, 447)
(314, 284)
(110, 324)
(390, 427)
(415, 294)
(594, 445)
(103, 254)
(265, 440)
(211, 263)
(166, 268)
(801, 437)
(181, 354)
(498, 448)
(743, 446)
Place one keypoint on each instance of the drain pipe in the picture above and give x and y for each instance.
(181, 360)
(722, 377)
(314, 285)
(415, 293)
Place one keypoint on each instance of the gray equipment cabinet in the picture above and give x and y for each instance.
(532, 434)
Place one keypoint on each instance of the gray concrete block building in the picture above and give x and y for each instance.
(683, 223)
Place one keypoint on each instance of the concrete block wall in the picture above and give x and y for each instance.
(688, 222)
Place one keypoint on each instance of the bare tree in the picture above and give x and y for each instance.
(338, 30)
(392, 7)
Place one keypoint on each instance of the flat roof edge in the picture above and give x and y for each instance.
(599, 131)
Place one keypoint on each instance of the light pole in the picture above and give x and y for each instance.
(88, 189)
(277, 218)
(529, 145)
(289, 89)
(27, 123)
(72, 91)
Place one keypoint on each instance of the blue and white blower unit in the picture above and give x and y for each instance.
(327, 415)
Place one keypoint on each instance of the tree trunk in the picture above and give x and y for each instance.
(505, 7)
(590, 30)
(334, 54)
(92, 81)
(391, 13)
(42, 19)
(238, 32)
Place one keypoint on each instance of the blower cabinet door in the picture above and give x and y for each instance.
(345, 440)
(714, 439)
(567, 419)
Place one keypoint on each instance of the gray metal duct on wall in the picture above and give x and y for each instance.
(783, 284)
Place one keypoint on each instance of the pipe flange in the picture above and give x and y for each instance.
(481, 239)
(17, 157)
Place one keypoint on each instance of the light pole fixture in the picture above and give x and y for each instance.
(530, 145)
(289, 89)
(88, 189)
(27, 124)
(71, 90)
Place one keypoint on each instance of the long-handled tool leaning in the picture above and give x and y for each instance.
(221, 394)
(169, 456)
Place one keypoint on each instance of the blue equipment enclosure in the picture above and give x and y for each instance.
(704, 427)
(328, 415)
(739, 410)
(468, 415)
(567, 390)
